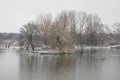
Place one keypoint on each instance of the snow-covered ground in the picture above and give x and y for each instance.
(78, 47)
(40, 50)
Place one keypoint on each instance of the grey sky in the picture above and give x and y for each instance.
(15, 13)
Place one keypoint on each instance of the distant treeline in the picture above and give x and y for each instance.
(6, 36)
(9, 39)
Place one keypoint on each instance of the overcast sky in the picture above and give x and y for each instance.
(15, 13)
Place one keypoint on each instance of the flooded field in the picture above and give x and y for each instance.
(91, 65)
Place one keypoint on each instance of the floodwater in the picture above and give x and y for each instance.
(92, 65)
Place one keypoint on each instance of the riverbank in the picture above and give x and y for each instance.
(44, 51)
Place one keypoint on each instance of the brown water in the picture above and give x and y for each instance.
(92, 65)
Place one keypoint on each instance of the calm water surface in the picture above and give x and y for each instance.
(92, 65)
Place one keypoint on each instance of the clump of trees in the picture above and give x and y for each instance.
(8, 39)
(63, 32)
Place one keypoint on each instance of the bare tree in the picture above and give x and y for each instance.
(44, 23)
(82, 23)
(72, 16)
(62, 18)
(59, 38)
(116, 32)
(93, 29)
(28, 36)
(116, 27)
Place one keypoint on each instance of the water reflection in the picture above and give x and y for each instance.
(71, 67)
(48, 67)
(92, 65)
